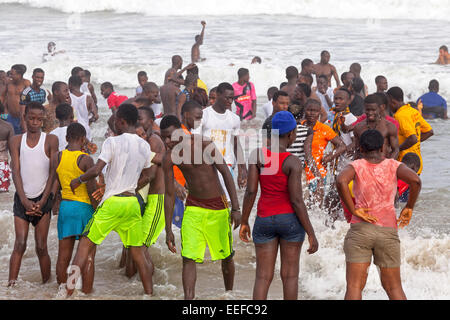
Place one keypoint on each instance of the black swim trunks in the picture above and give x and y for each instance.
(19, 209)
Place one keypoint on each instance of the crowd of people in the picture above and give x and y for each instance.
(170, 157)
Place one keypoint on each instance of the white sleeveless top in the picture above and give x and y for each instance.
(80, 106)
(34, 167)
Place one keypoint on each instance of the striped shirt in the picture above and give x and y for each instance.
(29, 95)
(297, 148)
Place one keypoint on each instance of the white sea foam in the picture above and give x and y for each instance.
(344, 9)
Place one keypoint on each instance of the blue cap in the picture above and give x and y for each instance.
(284, 122)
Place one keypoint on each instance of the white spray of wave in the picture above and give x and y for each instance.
(345, 9)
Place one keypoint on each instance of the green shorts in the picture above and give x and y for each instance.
(153, 221)
(119, 214)
(202, 226)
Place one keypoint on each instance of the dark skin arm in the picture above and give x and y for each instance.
(90, 174)
(253, 109)
(425, 135)
(169, 199)
(91, 107)
(242, 168)
(393, 140)
(409, 142)
(340, 148)
(415, 184)
(249, 197)
(14, 151)
(308, 155)
(51, 147)
(292, 168)
(85, 164)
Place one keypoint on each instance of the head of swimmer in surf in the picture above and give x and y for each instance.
(433, 86)
(372, 105)
(171, 132)
(341, 99)
(126, 118)
(34, 116)
(325, 57)
(51, 47)
(443, 51)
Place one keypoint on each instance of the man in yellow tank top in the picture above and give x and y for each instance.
(76, 208)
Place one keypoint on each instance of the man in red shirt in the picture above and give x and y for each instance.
(114, 99)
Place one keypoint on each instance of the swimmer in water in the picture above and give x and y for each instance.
(444, 56)
(195, 51)
(51, 48)
(325, 68)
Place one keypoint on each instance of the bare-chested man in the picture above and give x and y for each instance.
(292, 77)
(207, 218)
(60, 94)
(444, 56)
(376, 120)
(169, 93)
(195, 51)
(14, 91)
(325, 68)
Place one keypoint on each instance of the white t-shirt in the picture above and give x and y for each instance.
(267, 109)
(220, 128)
(61, 132)
(126, 156)
(323, 100)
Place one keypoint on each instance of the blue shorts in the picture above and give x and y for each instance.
(73, 217)
(285, 226)
(15, 122)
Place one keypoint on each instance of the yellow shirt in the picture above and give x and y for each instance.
(411, 122)
(202, 85)
(67, 171)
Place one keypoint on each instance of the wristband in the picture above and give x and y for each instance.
(79, 180)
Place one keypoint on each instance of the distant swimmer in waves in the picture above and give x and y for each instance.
(51, 48)
(433, 104)
(325, 68)
(195, 51)
(444, 56)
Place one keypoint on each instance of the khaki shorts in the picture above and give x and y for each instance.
(365, 239)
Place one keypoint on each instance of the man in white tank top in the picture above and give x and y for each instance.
(33, 180)
(83, 104)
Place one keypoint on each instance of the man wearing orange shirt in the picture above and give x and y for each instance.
(323, 134)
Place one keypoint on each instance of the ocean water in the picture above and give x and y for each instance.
(116, 39)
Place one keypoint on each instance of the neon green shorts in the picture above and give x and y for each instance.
(153, 221)
(119, 214)
(202, 226)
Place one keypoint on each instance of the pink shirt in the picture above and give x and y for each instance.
(388, 118)
(375, 187)
(243, 100)
(114, 100)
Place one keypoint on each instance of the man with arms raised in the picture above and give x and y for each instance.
(195, 51)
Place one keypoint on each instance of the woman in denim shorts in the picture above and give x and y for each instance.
(282, 219)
